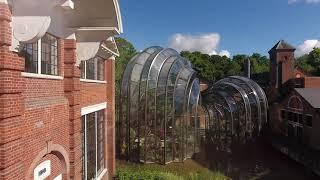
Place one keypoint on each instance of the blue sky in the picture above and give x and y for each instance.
(222, 26)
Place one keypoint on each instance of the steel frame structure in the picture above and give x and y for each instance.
(237, 109)
(159, 99)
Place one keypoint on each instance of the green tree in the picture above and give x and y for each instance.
(259, 64)
(310, 63)
(212, 67)
(126, 51)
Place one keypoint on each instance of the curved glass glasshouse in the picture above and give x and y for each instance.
(158, 108)
(237, 110)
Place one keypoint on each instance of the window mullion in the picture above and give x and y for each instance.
(96, 138)
(39, 56)
(95, 68)
(85, 69)
(85, 147)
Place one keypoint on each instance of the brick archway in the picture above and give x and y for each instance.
(56, 150)
(295, 103)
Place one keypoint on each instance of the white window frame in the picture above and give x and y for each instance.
(39, 74)
(91, 80)
(85, 111)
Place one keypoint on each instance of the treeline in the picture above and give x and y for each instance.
(310, 63)
(214, 67)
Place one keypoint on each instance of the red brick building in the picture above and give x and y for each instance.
(294, 98)
(57, 88)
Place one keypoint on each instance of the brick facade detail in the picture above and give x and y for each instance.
(40, 119)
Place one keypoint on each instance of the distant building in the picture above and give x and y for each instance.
(294, 98)
(57, 88)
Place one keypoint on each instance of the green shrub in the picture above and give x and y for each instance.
(189, 170)
(145, 175)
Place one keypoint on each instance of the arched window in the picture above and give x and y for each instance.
(41, 57)
(295, 103)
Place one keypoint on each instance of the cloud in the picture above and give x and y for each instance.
(307, 1)
(306, 47)
(224, 53)
(205, 43)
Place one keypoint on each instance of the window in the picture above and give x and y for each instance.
(41, 57)
(283, 114)
(308, 120)
(92, 144)
(93, 69)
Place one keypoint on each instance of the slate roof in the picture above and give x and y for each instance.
(311, 95)
(282, 45)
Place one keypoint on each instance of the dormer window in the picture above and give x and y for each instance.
(41, 57)
(93, 69)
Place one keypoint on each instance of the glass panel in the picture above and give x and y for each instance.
(100, 70)
(30, 53)
(90, 69)
(154, 95)
(100, 140)
(49, 55)
(91, 146)
(83, 142)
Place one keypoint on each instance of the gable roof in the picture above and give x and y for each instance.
(282, 45)
(311, 95)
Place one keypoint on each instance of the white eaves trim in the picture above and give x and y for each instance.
(93, 108)
(41, 76)
(4, 1)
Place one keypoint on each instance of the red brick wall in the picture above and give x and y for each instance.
(40, 118)
(72, 93)
(287, 59)
(110, 121)
(310, 134)
(11, 103)
(312, 82)
(92, 93)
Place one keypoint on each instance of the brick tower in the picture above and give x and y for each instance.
(281, 67)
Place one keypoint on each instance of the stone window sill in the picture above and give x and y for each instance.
(93, 81)
(41, 76)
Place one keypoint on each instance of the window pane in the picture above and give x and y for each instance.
(94, 69)
(308, 120)
(30, 53)
(100, 72)
(83, 146)
(82, 69)
(283, 114)
(90, 69)
(91, 146)
(49, 55)
(100, 140)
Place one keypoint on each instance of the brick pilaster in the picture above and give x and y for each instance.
(110, 118)
(11, 102)
(72, 92)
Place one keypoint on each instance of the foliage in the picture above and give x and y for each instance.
(215, 67)
(310, 63)
(126, 51)
(144, 175)
(189, 170)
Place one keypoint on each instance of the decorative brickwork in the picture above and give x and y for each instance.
(72, 92)
(40, 118)
(11, 103)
